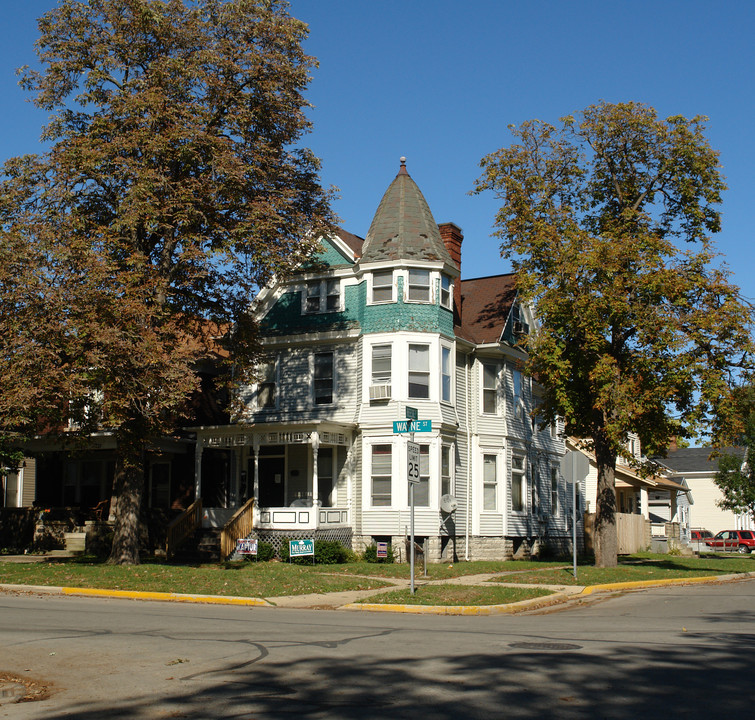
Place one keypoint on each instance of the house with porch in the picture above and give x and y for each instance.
(371, 332)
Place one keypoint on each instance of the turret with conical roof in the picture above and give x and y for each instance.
(403, 227)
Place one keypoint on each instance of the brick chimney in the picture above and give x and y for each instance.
(453, 236)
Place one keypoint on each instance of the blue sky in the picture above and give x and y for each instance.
(439, 81)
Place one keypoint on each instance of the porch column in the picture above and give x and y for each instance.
(644, 505)
(198, 468)
(315, 452)
(256, 485)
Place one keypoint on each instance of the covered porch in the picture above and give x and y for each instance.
(299, 475)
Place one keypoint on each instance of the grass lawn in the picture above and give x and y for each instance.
(643, 566)
(457, 595)
(244, 579)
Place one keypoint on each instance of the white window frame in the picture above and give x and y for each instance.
(381, 378)
(519, 480)
(424, 372)
(555, 505)
(383, 475)
(264, 380)
(446, 293)
(446, 478)
(485, 391)
(373, 287)
(421, 290)
(324, 292)
(333, 356)
(490, 485)
(517, 389)
(446, 389)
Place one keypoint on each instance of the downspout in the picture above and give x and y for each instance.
(469, 457)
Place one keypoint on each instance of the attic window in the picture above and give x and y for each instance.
(445, 291)
(323, 296)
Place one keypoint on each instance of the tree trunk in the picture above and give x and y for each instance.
(606, 536)
(128, 489)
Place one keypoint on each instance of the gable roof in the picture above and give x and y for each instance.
(486, 305)
(403, 227)
(695, 460)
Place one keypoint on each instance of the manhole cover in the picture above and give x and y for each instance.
(545, 646)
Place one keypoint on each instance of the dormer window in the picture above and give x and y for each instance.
(419, 286)
(445, 291)
(323, 296)
(382, 286)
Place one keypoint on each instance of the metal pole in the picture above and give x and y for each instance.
(411, 537)
(424, 558)
(574, 511)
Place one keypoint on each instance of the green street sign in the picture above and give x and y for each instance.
(411, 413)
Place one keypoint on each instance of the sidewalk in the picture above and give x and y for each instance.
(350, 600)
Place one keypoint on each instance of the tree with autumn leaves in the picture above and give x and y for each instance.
(607, 218)
(173, 185)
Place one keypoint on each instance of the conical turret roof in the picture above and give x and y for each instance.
(403, 227)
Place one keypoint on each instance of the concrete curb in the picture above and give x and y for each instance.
(468, 610)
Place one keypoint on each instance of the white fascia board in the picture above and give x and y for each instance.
(310, 338)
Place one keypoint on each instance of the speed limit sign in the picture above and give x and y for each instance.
(412, 468)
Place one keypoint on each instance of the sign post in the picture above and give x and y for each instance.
(411, 425)
(574, 468)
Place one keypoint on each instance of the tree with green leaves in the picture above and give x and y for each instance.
(608, 220)
(174, 183)
(736, 474)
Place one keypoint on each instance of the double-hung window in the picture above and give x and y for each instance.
(381, 365)
(323, 296)
(518, 493)
(489, 388)
(419, 286)
(422, 488)
(554, 491)
(445, 374)
(445, 470)
(517, 381)
(489, 482)
(324, 378)
(382, 286)
(445, 291)
(419, 371)
(381, 475)
(267, 397)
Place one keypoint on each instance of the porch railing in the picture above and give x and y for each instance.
(239, 526)
(183, 526)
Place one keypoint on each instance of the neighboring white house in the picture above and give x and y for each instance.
(696, 469)
(368, 333)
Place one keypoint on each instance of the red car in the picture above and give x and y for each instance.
(741, 541)
(699, 536)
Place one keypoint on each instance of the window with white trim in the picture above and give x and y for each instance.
(267, 396)
(325, 476)
(419, 371)
(382, 286)
(445, 470)
(381, 365)
(445, 374)
(418, 286)
(516, 377)
(324, 378)
(382, 472)
(323, 296)
(489, 389)
(445, 291)
(554, 491)
(422, 488)
(490, 482)
(518, 488)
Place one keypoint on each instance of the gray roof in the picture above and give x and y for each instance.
(403, 227)
(696, 460)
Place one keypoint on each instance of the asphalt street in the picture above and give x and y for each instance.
(660, 653)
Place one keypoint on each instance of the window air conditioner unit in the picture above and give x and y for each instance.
(520, 328)
(380, 392)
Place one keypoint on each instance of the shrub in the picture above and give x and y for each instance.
(370, 555)
(265, 551)
(327, 552)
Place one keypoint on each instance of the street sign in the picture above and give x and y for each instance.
(412, 465)
(298, 548)
(411, 413)
(403, 426)
(574, 466)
